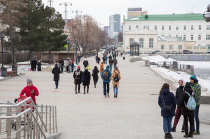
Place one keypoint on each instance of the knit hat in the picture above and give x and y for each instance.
(78, 67)
(193, 78)
(29, 81)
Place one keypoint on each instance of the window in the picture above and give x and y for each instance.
(162, 27)
(141, 42)
(177, 27)
(199, 37)
(171, 47)
(170, 27)
(137, 26)
(155, 28)
(184, 38)
(146, 27)
(185, 27)
(129, 27)
(207, 27)
(192, 27)
(199, 27)
(131, 40)
(162, 47)
(150, 42)
(207, 37)
(191, 37)
(180, 47)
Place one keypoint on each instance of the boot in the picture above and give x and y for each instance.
(75, 92)
(182, 129)
(185, 136)
(84, 92)
(116, 96)
(173, 129)
(170, 136)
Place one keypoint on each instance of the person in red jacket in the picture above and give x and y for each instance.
(30, 90)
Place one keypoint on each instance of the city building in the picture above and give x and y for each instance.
(135, 12)
(108, 31)
(115, 25)
(187, 27)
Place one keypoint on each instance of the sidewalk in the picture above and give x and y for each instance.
(135, 114)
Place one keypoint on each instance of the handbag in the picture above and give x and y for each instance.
(166, 107)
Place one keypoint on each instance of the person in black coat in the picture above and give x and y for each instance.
(86, 81)
(166, 98)
(98, 59)
(95, 75)
(85, 63)
(77, 79)
(61, 63)
(33, 65)
(188, 114)
(39, 66)
(56, 71)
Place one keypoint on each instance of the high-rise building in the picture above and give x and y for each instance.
(108, 31)
(115, 24)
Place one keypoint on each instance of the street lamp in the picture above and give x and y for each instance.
(206, 14)
(69, 43)
(3, 70)
(14, 68)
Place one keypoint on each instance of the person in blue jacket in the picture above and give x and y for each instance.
(166, 98)
(105, 75)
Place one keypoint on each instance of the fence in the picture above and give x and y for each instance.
(29, 121)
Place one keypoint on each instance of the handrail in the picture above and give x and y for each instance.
(25, 112)
(22, 102)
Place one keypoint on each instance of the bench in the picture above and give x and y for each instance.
(11, 73)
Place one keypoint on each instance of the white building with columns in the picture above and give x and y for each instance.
(188, 27)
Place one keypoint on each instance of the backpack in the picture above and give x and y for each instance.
(77, 73)
(105, 75)
(191, 104)
(116, 78)
(115, 61)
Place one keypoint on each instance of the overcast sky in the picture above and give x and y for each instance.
(100, 10)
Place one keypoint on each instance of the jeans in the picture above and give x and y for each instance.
(111, 67)
(115, 90)
(106, 88)
(56, 84)
(69, 68)
(61, 69)
(177, 117)
(167, 124)
(191, 120)
(197, 121)
(76, 87)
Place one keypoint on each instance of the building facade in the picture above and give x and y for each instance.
(187, 27)
(114, 24)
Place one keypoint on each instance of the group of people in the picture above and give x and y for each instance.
(36, 65)
(191, 91)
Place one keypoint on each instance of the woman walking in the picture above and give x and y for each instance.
(188, 114)
(167, 103)
(86, 79)
(95, 75)
(101, 67)
(116, 80)
(56, 71)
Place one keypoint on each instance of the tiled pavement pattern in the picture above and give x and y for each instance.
(134, 115)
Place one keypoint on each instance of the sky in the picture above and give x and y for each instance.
(100, 10)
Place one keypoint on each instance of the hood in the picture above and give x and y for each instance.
(165, 91)
(102, 63)
(107, 69)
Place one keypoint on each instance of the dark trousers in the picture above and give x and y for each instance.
(56, 84)
(77, 86)
(106, 88)
(189, 118)
(197, 121)
(95, 82)
(177, 117)
(61, 69)
(87, 88)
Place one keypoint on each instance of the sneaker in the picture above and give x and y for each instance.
(196, 133)
(75, 92)
(182, 129)
(170, 136)
(104, 96)
(107, 95)
(173, 129)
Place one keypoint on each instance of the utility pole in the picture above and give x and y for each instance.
(66, 4)
(50, 1)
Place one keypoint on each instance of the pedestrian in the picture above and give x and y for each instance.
(86, 80)
(72, 65)
(30, 91)
(115, 62)
(116, 76)
(101, 67)
(111, 64)
(105, 75)
(167, 103)
(98, 60)
(56, 71)
(95, 75)
(78, 58)
(110, 57)
(77, 79)
(123, 56)
(61, 63)
(179, 92)
(188, 114)
(39, 66)
(197, 91)
(85, 63)
(33, 65)
(105, 59)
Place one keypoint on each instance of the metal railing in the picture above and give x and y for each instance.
(29, 121)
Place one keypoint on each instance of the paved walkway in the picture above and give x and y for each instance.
(135, 114)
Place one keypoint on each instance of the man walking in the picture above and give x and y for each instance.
(77, 79)
(115, 63)
(111, 64)
(106, 74)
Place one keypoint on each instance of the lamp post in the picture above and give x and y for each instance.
(3, 70)
(69, 43)
(14, 68)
